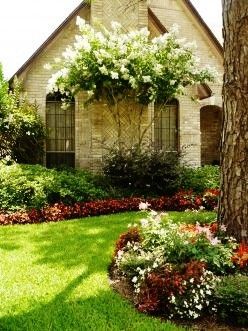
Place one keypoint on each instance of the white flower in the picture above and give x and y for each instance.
(144, 222)
(135, 279)
(114, 75)
(82, 43)
(172, 82)
(185, 304)
(47, 66)
(153, 213)
(155, 265)
(215, 241)
(80, 22)
(147, 79)
(115, 25)
(90, 93)
(103, 70)
(174, 29)
(69, 54)
(173, 299)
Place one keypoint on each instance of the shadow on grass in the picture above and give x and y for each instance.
(87, 241)
(105, 311)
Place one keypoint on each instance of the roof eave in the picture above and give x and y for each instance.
(48, 40)
(205, 27)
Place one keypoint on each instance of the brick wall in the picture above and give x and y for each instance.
(170, 12)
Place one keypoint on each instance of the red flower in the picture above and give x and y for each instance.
(240, 257)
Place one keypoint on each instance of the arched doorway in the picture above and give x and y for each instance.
(210, 134)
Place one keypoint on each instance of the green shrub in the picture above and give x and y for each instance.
(231, 298)
(143, 171)
(22, 131)
(200, 179)
(33, 186)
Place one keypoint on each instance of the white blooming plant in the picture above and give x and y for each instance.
(173, 268)
(116, 66)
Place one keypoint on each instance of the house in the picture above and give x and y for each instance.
(76, 137)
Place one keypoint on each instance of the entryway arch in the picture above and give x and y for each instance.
(210, 117)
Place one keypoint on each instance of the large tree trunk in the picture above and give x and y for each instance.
(233, 209)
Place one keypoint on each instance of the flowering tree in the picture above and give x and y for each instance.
(119, 67)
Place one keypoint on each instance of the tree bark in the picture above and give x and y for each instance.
(233, 207)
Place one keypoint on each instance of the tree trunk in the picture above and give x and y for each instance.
(233, 208)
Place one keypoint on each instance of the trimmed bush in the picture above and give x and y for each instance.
(200, 179)
(231, 298)
(34, 186)
(143, 171)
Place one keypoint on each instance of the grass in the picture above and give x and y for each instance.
(53, 276)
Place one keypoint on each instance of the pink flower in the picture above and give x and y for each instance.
(143, 205)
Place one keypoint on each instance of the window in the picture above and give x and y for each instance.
(166, 126)
(60, 124)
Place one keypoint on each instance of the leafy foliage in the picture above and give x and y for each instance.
(200, 179)
(144, 171)
(175, 267)
(126, 69)
(33, 186)
(21, 129)
(231, 298)
(112, 63)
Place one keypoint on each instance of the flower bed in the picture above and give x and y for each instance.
(174, 269)
(59, 211)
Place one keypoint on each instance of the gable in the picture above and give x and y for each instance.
(162, 14)
(191, 25)
(81, 10)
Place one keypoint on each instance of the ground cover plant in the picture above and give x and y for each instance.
(181, 201)
(174, 269)
(54, 277)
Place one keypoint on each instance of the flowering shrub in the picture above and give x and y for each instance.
(129, 68)
(113, 62)
(60, 211)
(183, 291)
(174, 268)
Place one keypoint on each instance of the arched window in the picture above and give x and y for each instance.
(166, 126)
(60, 125)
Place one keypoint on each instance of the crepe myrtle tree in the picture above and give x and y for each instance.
(116, 66)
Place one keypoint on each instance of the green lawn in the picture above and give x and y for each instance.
(53, 276)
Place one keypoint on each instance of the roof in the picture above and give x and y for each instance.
(50, 38)
(203, 24)
(157, 22)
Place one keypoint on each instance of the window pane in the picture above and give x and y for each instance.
(165, 127)
(60, 124)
